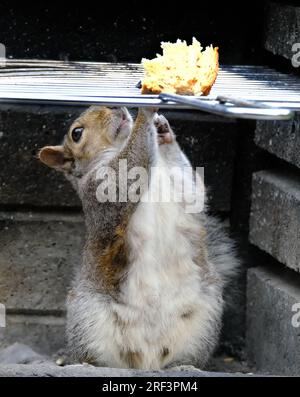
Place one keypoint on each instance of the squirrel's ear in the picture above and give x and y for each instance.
(54, 157)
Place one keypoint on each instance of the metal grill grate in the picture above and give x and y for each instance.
(82, 83)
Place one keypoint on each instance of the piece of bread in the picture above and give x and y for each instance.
(182, 69)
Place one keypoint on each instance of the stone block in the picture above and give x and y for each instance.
(282, 29)
(38, 255)
(273, 321)
(275, 215)
(44, 334)
(281, 138)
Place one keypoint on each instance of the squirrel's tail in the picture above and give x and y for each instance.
(221, 250)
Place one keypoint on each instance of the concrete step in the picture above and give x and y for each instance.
(50, 369)
(12, 358)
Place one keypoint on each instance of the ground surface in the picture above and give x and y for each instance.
(20, 360)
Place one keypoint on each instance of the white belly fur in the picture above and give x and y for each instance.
(163, 285)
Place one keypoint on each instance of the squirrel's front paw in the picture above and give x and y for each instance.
(164, 131)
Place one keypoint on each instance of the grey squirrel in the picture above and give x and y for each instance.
(149, 293)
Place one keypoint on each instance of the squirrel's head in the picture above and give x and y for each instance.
(96, 133)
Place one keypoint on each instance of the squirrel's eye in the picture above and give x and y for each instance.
(76, 134)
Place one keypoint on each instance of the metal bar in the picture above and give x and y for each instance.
(247, 91)
(245, 112)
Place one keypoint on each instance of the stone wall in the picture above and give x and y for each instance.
(273, 343)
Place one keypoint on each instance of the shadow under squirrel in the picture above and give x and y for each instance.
(149, 293)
